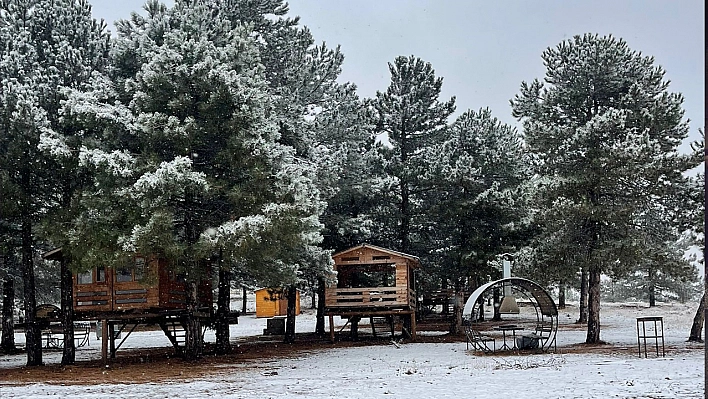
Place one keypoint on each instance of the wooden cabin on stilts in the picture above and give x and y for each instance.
(144, 291)
(374, 283)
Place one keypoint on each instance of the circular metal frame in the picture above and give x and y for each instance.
(545, 307)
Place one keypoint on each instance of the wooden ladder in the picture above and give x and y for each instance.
(173, 327)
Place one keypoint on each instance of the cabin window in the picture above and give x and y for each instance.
(124, 274)
(361, 276)
(100, 274)
(139, 268)
(85, 277)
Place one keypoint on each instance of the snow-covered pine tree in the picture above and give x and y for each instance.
(477, 208)
(411, 116)
(301, 76)
(22, 122)
(322, 119)
(344, 147)
(214, 178)
(695, 221)
(73, 51)
(606, 130)
(663, 270)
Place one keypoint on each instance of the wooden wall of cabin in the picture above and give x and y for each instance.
(148, 284)
(172, 289)
(93, 290)
(136, 287)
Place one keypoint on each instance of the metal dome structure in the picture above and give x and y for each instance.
(546, 324)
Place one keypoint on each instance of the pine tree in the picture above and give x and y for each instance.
(606, 130)
(73, 53)
(214, 178)
(22, 122)
(477, 205)
(319, 117)
(411, 116)
(695, 219)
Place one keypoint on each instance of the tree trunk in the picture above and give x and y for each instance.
(320, 325)
(223, 304)
(313, 289)
(583, 318)
(446, 302)
(354, 327)
(33, 337)
(290, 319)
(405, 217)
(593, 336)
(652, 295)
(67, 313)
(698, 320)
(244, 300)
(193, 328)
(7, 344)
(456, 327)
(652, 289)
(496, 304)
(561, 295)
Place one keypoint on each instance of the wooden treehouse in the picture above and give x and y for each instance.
(374, 283)
(144, 291)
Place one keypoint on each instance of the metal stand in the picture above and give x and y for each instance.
(657, 334)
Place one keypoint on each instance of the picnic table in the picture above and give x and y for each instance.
(508, 327)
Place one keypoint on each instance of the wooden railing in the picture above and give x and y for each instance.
(370, 297)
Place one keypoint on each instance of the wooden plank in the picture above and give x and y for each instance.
(367, 313)
(368, 304)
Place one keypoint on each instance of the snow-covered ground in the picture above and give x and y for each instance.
(424, 370)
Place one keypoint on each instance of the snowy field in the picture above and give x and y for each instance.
(424, 370)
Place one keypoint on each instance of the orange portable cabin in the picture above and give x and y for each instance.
(272, 302)
(146, 284)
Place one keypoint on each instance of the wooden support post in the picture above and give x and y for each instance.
(373, 327)
(413, 326)
(331, 328)
(112, 339)
(104, 341)
(354, 331)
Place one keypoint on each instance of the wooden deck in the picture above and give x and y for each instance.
(370, 297)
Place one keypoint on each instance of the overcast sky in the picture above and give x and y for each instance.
(484, 50)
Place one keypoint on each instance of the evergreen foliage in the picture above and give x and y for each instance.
(606, 130)
(412, 119)
(48, 49)
(477, 209)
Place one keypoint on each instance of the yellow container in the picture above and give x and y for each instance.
(272, 302)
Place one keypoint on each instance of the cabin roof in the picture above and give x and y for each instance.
(415, 259)
(54, 254)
